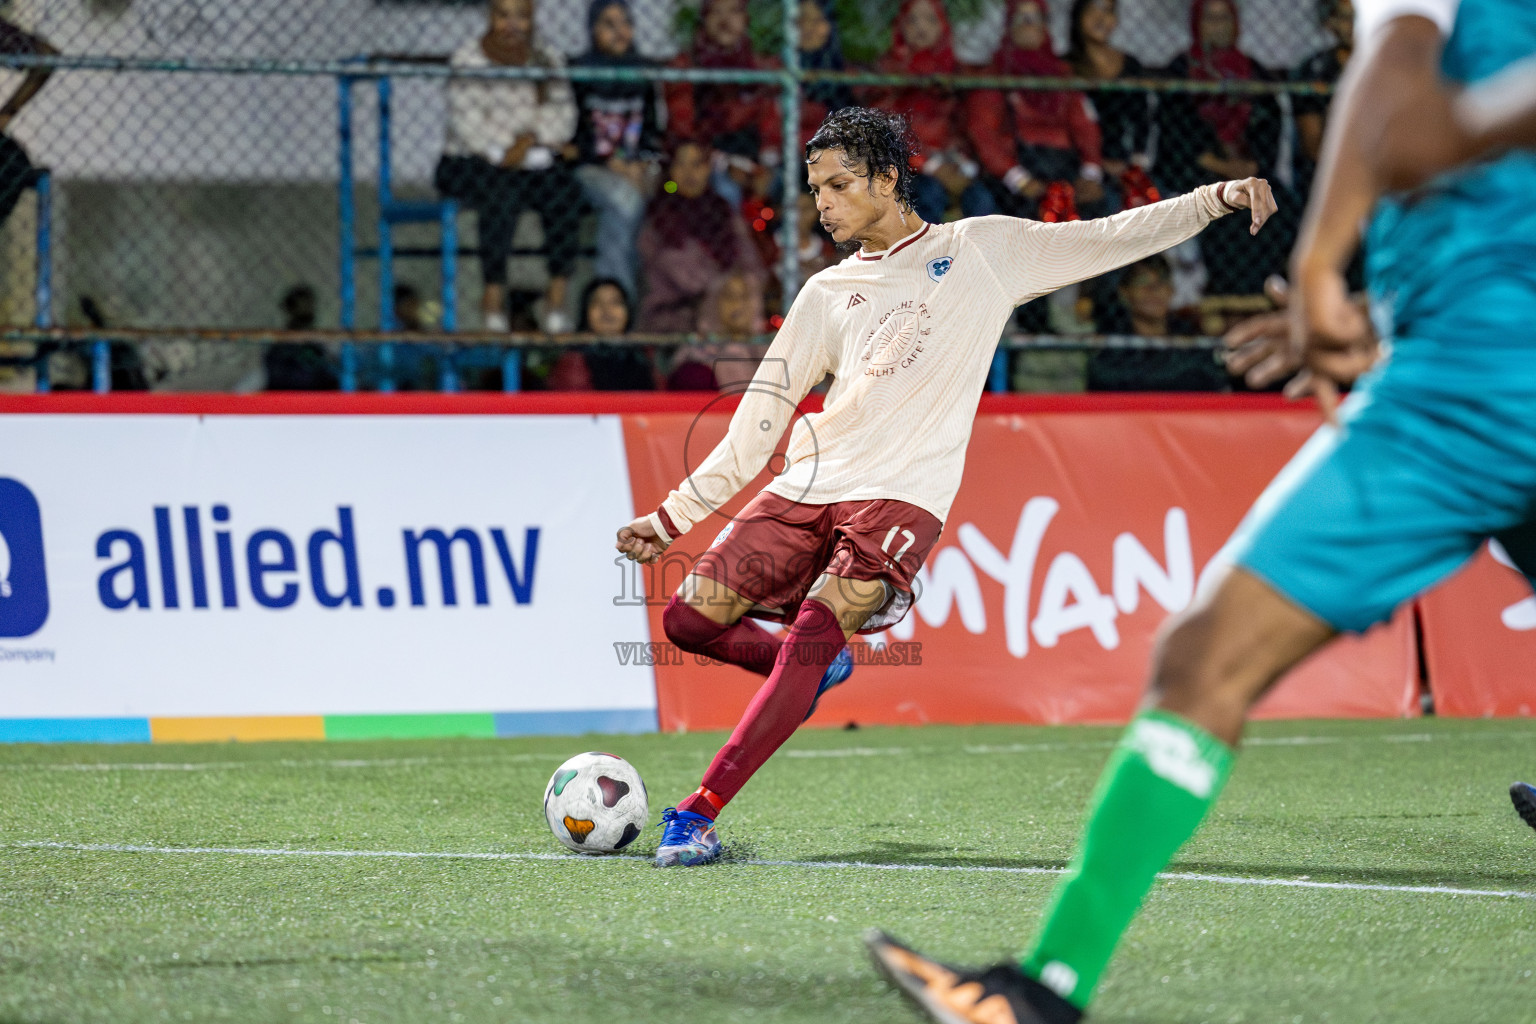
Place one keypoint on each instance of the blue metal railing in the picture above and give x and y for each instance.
(391, 211)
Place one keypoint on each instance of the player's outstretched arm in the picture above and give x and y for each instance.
(1031, 258)
(796, 361)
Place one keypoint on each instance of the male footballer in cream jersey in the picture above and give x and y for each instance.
(907, 326)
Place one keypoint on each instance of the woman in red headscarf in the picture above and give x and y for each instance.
(1040, 152)
(1212, 137)
(921, 45)
(738, 121)
(691, 236)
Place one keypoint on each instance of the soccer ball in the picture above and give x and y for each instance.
(596, 803)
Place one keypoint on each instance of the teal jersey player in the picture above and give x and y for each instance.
(1433, 454)
(1436, 451)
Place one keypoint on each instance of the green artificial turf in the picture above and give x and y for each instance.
(134, 936)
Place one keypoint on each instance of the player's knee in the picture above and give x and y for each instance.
(1196, 667)
(688, 627)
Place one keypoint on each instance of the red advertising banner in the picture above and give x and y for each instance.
(1480, 640)
(1075, 534)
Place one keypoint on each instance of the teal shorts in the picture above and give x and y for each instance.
(1432, 457)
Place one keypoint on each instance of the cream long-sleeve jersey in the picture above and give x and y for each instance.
(908, 335)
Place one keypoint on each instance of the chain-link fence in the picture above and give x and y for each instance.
(192, 179)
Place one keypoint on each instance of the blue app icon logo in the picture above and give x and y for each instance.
(23, 577)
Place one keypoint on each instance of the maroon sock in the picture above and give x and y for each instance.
(745, 644)
(777, 710)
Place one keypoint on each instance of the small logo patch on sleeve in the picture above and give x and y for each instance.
(937, 268)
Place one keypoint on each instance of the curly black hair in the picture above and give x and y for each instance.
(873, 142)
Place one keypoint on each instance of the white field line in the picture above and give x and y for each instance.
(851, 865)
(829, 752)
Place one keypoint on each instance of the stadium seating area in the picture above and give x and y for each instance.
(626, 200)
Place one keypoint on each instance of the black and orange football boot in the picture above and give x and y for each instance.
(1001, 994)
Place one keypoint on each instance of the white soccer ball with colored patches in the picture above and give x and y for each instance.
(596, 803)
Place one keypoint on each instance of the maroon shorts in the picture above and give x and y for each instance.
(775, 549)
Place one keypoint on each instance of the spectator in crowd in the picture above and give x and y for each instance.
(408, 308)
(1326, 65)
(739, 122)
(814, 245)
(16, 175)
(1210, 138)
(606, 311)
(820, 50)
(16, 171)
(1142, 309)
(1040, 152)
(304, 366)
(730, 320)
(692, 236)
(732, 317)
(506, 150)
(413, 367)
(618, 139)
(921, 44)
(1125, 121)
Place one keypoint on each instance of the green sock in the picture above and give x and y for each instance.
(1161, 779)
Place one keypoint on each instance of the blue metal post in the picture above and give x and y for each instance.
(512, 370)
(387, 320)
(43, 296)
(347, 215)
(387, 367)
(791, 164)
(449, 236)
(448, 371)
(346, 207)
(101, 367)
(44, 293)
(348, 382)
(997, 379)
(386, 200)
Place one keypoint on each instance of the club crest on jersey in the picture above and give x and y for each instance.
(897, 340)
(937, 268)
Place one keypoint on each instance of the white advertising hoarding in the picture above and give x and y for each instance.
(313, 565)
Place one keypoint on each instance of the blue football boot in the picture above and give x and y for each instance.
(1523, 796)
(836, 673)
(688, 839)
